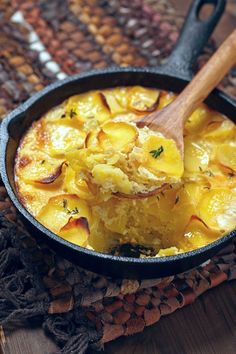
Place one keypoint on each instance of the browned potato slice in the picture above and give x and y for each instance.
(141, 100)
(56, 213)
(120, 136)
(161, 155)
(39, 168)
(51, 177)
(76, 231)
(226, 155)
(197, 234)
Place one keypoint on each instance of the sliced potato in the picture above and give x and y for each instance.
(56, 213)
(89, 106)
(39, 167)
(166, 252)
(141, 99)
(197, 234)
(74, 184)
(63, 138)
(111, 178)
(196, 158)
(219, 128)
(91, 139)
(198, 120)
(195, 190)
(118, 135)
(217, 208)
(84, 160)
(37, 138)
(76, 231)
(161, 155)
(226, 155)
(165, 99)
(51, 178)
(114, 99)
(55, 114)
(121, 96)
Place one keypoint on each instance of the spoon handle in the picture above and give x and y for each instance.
(207, 78)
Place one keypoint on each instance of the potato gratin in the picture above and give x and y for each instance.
(86, 172)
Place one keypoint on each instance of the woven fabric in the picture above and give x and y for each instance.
(42, 41)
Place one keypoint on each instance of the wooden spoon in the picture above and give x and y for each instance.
(170, 120)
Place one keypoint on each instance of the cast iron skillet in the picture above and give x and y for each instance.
(173, 77)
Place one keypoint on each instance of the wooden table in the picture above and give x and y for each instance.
(206, 327)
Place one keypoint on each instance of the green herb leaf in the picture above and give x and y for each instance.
(156, 153)
(68, 211)
(73, 211)
(65, 203)
(72, 113)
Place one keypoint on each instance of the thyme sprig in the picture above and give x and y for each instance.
(72, 113)
(69, 211)
(157, 152)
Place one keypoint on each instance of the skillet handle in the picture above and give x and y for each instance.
(193, 37)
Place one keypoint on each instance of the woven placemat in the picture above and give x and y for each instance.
(42, 41)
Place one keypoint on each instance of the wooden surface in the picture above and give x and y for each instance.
(206, 327)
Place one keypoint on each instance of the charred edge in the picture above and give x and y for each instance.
(24, 161)
(104, 101)
(81, 222)
(50, 179)
(195, 217)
